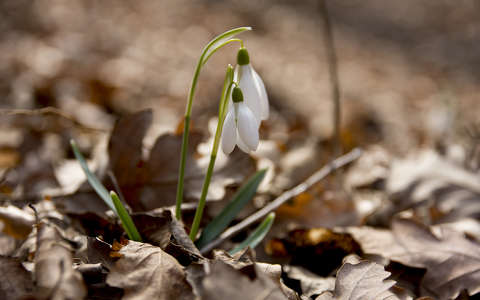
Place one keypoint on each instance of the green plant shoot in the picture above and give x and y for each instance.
(111, 199)
(125, 219)
(215, 44)
(239, 200)
(257, 235)
(227, 85)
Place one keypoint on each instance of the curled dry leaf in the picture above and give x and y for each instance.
(452, 261)
(224, 282)
(17, 223)
(359, 280)
(54, 274)
(161, 229)
(309, 284)
(225, 275)
(153, 229)
(147, 272)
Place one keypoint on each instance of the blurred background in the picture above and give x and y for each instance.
(409, 76)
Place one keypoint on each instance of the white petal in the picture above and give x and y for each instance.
(229, 133)
(247, 127)
(251, 95)
(241, 144)
(264, 106)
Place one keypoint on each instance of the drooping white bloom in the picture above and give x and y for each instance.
(240, 126)
(252, 86)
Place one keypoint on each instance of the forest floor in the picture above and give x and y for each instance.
(398, 221)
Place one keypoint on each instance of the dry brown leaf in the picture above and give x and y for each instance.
(161, 229)
(16, 222)
(153, 229)
(452, 261)
(319, 250)
(310, 283)
(54, 274)
(209, 278)
(126, 146)
(428, 180)
(7, 244)
(159, 186)
(15, 282)
(360, 280)
(225, 282)
(147, 272)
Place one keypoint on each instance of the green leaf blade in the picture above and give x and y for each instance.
(125, 218)
(239, 200)
(92, 179)
(257, 236)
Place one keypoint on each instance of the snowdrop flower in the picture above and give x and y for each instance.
(240, 126)
(252, 86)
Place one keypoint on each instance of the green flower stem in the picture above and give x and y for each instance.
(227, 87)
(202, 201)
(211, 47)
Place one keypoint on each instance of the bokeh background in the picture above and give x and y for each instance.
(404, 65)
(409, 75)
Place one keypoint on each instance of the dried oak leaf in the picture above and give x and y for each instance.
(452, 261)
(54, 274)
(147, 272)
(15, 281)
(359, 280)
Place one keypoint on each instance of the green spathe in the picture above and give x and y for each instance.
(237, 95)
(242, 57)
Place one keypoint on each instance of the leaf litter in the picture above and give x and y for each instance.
(401, 224)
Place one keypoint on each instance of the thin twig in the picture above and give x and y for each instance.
(302, 187)
(333, 74)
(49, 111)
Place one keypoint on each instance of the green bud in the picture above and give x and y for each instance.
(237, 95)
(242, 57)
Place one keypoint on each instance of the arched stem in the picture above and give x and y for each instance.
(215, 44)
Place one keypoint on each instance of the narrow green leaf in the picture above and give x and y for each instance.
(220, 41)
(125, 218)
(92, 179)
(257, 236)
(240, 199)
